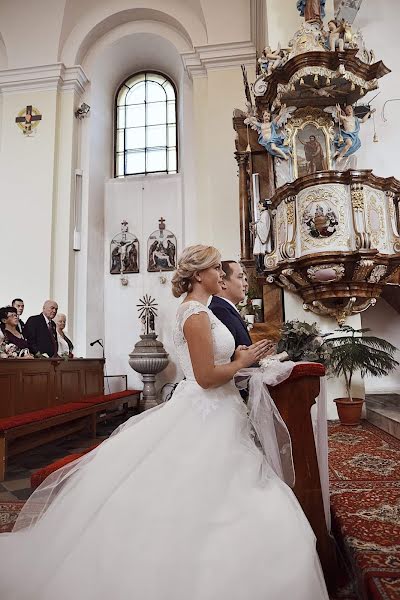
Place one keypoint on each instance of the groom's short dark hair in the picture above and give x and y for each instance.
(226, 267)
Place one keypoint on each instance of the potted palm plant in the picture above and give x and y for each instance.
(352, 351)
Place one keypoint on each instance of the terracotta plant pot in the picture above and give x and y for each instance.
(349, 411)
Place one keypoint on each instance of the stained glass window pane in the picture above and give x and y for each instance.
(172, 159)
(169, 91)
(171, 135)
(120, 140)
(156, 77)
(121, 118)
(135, 115)
(135, 162)
(155, 93)
(135, 138)
(155, 113)
(171, 114)
(137, 94)
(156, 160)
(156, 135)
(120, 165)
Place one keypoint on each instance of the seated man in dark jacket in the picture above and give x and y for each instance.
(40, 331)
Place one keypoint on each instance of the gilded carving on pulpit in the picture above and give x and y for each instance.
(161, 249)
(124, 252)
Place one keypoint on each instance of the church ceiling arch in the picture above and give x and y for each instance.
(136, 45)
(99, 22)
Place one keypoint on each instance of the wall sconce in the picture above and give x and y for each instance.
(82, 111)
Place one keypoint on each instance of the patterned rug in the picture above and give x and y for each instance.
(9, 512)
(364, 466)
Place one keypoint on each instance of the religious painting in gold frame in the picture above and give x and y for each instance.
(310, 135)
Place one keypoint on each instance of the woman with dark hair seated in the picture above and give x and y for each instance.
(8, 325)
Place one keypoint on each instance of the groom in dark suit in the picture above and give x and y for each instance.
(40, 331)
(224, 305)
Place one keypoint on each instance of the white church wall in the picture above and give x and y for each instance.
(380, 30)
(384, 322)
(26, 188)
(141, 201)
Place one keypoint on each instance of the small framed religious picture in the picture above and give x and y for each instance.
(161, 249)
(311, 136)
(124, 252)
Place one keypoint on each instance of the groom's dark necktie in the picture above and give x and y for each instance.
(53, 335)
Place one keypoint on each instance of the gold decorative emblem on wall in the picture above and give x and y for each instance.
(28, 119)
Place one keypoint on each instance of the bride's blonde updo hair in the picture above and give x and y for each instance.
(192, 259)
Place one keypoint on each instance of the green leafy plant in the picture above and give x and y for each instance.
(353, 351)
(302, 341)
(253, 292)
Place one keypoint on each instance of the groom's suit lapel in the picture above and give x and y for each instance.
(232, 310)
(237, 316)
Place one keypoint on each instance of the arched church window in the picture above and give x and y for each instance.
(145, 133)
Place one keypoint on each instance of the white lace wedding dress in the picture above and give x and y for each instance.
(173, 506)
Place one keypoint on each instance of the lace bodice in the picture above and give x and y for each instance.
(223, 341)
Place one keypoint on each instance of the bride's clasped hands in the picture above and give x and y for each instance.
(246, 356)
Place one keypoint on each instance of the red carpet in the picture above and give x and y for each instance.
(365, 499)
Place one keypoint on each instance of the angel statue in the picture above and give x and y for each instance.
(348, 140)
(268, 130)
(270, 60)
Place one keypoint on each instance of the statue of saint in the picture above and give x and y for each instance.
(311, 10)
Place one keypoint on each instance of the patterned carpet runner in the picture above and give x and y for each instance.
(364, 475)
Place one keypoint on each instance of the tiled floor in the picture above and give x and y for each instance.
(17, 485)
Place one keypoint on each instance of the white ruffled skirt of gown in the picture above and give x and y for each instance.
(176, 506)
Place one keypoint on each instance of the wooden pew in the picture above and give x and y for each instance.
(44, 399)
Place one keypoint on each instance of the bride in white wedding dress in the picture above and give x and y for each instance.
(178, 503)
